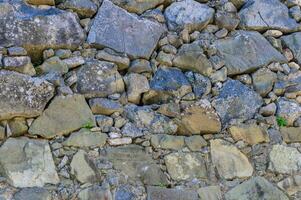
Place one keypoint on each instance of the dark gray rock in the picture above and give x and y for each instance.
(159, 193)
(201, 85)
(115, 28)
(293, 42)
(84, 8)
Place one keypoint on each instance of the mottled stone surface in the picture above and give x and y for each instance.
(159, 193)
(137, 6)
(293, 42)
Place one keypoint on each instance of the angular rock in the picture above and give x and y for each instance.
(130, 130)
(293, 42)
(138, 6)
(246, 51)
(126, 192)
(121, 60)
(26, 166)
(210, 193)
(27, 26)
(21, 64)
(136, 85)
(291, 134)
(120, 141)
(64, 115)
(167, 141)
(84, 8)
(74, 61)
(263, 81)
(288, 109)
(17, 126)
(22, 95)
(95, 192)
(188, 14)
(291, 184)
(159, 193)
(201, 85)
(104, 106)
(41, 2)
(115, 28)
(185, 166)
(34, 193)
(260, 15)
(228, 20)
(195, 143)
(53, 64)
(99, 79)
(229, 161)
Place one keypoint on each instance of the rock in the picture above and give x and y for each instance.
(164, 141)
(22, 95)
(74, 62)
(228, 20)
(130, 130)
(136, 85)
(83, 169)
(264, 15)
(165, 58)
(138, 6)
(195, 143)
(140, 66)
(119, 141)
(210, 193)
(104, 122)
(85, 138)
(229, 161)
(249, 133)
(291, 134)
(169, 109)
(188, 14)
(126, 192)
(236, 101)
(131, 35)
(21, 64)
(167, 83)
(291, 184)
(286, 160)
(185, 166)
(2, 133)
(293, 42)
(53, 64)
(64, 115)
(255, 188)
(16, 51)
(29, 27)
(136, 163)
(263, 81)
(104, 106)
(219, 76)
(268, 110)
(34, 193)
(191, 57)
(99, 79)
(121, 60)
(84, 8)
(246, 51)
(288, 109)
(41, 2)
(199, 118)
(95, 192)
(201, 85)
(17, 126)
(159, 193)
(26, 166)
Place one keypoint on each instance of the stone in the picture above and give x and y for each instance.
(249, 133)
(285, 160)
(74, 61)
(210, 193)
(219, 76)
(28, 27)
(159, 193)
(63, 53)
(169, 109)
(295, 12)
(164, 141)
(121, 60)
(236, 101)
(228, 20)
(26, 166)
(124, 32)
(83, 169)
(64, 115)
(189, 15)
(130, 130)
(138, 7)
(99, 79)
(136, 163)
(18, 126)
(22, 95)
(126, 192)
(104, 122)
(86, 138)
(168, 83)
(21, 64)
(95, 192)
(246, 51)
(53, 64)
(288, 109)
(229, 161)
(2, 133)
(140, 66)
(104, 106)
(84, 8)
(199, 118)
(41, 2)
(191, 57)
(35, 193)
(264, 15)
(291, 185)
(291, 134)
(268, 110)
(195, 142)
(120, 141)
(263, 81)
(136, 85)
(165, 58)
(255, 188)
(201, 85)
(16, 51)
(293, 42)
(185, 166)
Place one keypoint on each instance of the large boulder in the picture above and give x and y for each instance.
(22, 95)
(293, 42)
(138, 6)
(27, 163)
(246, 51)
(124, 32)
(264, 15)
(29, 27)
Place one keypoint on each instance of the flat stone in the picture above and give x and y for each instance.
(121, 60)
(124, 32)
(120, 141)
(21, 64)
(159, 193)
(185, 166)
(26, 167)
(84, 8)
(138, 6)
(34, 193)
(164, 141)
(104, 106)
(41, 2)
(210, 193)
(291, 134)
(53, 64)
(263, 81)
(74, 61)
(95, 192)
(293, 42)
(246, 51)
(136, 85)
(288, 109)
(195, 142)
(16, 51)
(99, 79)
(229, 161)
(22, 95)
(64, 115)
(291, 185)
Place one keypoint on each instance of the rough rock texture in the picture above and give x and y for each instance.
(138, 6)
(157, 193)
(293, 42)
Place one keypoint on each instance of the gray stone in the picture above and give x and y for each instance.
(264, 15)
(121, 60)
(115, 28)
(16, 51)
(140, 66)
(293, 42)
(236, 101)
(201, 85)
(210, 193)
(138, 6)
(104, 106)
(136, 85)
(195, 142)
(26, 166)
(228, 20)
(291, 184)
(130, 130)
(104, 122)
(84, 8)
(125, 192)
(288, 109)
(53, 64)
(34, 193)
(74, 61)
(246, 51)
(159, 193)
(22, 95)
(95, 192)
(263, 81)
(164, 141)
(21, 64)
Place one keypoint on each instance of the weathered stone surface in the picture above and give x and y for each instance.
(30, 164)
(35, 193)
(246, 51)
(201, 85)
(22, 95)
(74, 61)
(255, 188)
(29, 27)
(249, 133)
(291, 184)
(21, 64)
(136, 163)
(264, 15)
(64, 115)
(167, 141)
(120, 59)
(286, 160)
(130, 130)
(104, 106)
(195, 142)
(293, 42)
(229, 161)
(263, 81)
(115, 28)
(288, 109)
(159, 193)
(84, 8)
(41, 2)
(138, 6)
(291, 134)
(17, 126)
(210, 193)
(99, 79)
(53, 64)
(136, 85)
(236, 101)
(188, 14)
(95, 192)
(185, 166)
